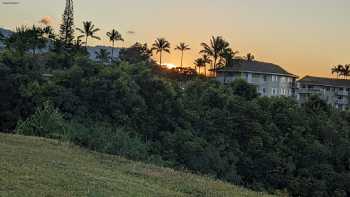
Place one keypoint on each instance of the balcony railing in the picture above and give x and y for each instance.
(342, 102)
(342, 93)
(308, 91)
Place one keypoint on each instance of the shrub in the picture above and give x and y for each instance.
(116, 141)
(45, 122)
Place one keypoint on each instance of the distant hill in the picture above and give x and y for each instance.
(5, 32)
(34, 167)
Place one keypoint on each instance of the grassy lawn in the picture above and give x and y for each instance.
(35, 167)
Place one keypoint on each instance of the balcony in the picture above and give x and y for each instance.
(342, 93)
(308, 91)
(342, 102)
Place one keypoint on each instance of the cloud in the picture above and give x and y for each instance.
(47, 20)
(130, 32)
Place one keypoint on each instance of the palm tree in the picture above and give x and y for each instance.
(182, 47)
(199, 63)
(339, 70)
(250, 57)
(88, 30)
(228, 56)
(215, 48)
(102, 55)
(160, 45)
(206, 60)
(114, 36)
(335, 70)
(346, 71)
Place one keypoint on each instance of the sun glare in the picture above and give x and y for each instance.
(170, 66)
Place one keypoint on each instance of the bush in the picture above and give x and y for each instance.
(116, 141)
(45, 122)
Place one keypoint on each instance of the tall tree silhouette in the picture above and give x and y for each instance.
(339, 70)
(228, 56)
(88, 30)
(114, 36)
(161, 45)
(215, 48)
(199, 63)
(206, 61)
(182, 47)
(346, 71)
(336, 70)
(67, 26)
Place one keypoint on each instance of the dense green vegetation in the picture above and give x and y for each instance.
(35, 167)
(124, 108)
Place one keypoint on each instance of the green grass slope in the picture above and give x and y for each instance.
(35, 167)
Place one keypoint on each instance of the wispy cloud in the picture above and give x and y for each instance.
(47, 20)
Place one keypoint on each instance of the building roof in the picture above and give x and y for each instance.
(325, 81)
(256, 67)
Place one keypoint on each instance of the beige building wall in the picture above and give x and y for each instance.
(267, 84)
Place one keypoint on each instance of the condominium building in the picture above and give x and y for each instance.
(269, 79)
(335, 92)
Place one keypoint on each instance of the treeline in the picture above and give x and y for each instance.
(224, 131)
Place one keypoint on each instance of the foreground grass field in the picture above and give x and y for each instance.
(36, 167)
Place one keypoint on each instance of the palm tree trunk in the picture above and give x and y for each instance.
(215, 59)
(86, 42)
(112, 51)
(160, 58)
(182, 56)
(205, 70)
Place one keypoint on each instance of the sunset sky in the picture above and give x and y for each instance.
(303, 36)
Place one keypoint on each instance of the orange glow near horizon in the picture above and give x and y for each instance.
(170, 65)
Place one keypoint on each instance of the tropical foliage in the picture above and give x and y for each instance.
(88, 30)
(67, 25)
(103, 56)
(182, 47)
(126, 108)
(161, 45)
(114, 36)
(215, 49)
(341, 71)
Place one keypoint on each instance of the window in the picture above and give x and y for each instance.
(274, 78)
(264, 90)
(265, 78)
(274, 91)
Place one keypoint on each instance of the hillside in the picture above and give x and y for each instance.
(40, 167)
